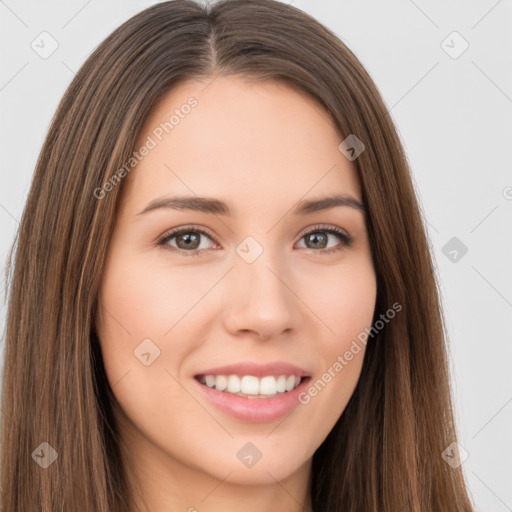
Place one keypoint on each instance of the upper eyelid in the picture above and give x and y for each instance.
(321, 226)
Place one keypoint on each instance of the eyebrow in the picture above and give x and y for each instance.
(218, 207)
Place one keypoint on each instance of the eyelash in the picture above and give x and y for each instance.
(347, 240)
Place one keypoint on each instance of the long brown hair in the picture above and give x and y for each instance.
(384, 453)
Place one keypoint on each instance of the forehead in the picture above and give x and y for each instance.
(255, 143)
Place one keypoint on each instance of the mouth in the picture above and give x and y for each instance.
(251, 386)
(250, 398)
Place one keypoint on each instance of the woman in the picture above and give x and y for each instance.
(222, 295)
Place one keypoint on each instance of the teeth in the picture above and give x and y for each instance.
(233, 384)
(250, 386)
(210, 380)
(221, 383)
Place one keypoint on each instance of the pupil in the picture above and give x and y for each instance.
(315, 237)
(188, 238)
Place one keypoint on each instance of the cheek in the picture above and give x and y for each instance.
(344, 307)
(343, 300)
(138, 306)
(140, 299)
(148, 313)
(152, 295)
(132, 318)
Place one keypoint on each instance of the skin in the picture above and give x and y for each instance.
(261, 148)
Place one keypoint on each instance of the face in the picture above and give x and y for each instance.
(254, 280)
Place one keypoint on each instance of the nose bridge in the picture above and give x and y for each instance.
(260, 300)
(259, 266)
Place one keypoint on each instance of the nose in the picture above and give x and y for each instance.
(260, 299)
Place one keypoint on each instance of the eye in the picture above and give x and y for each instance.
(319, 237)
(187, 240)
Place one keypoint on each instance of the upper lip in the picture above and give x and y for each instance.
(257, 370)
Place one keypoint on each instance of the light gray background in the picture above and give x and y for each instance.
(454, 116)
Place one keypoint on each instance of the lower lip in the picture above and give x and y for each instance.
(256, 410)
